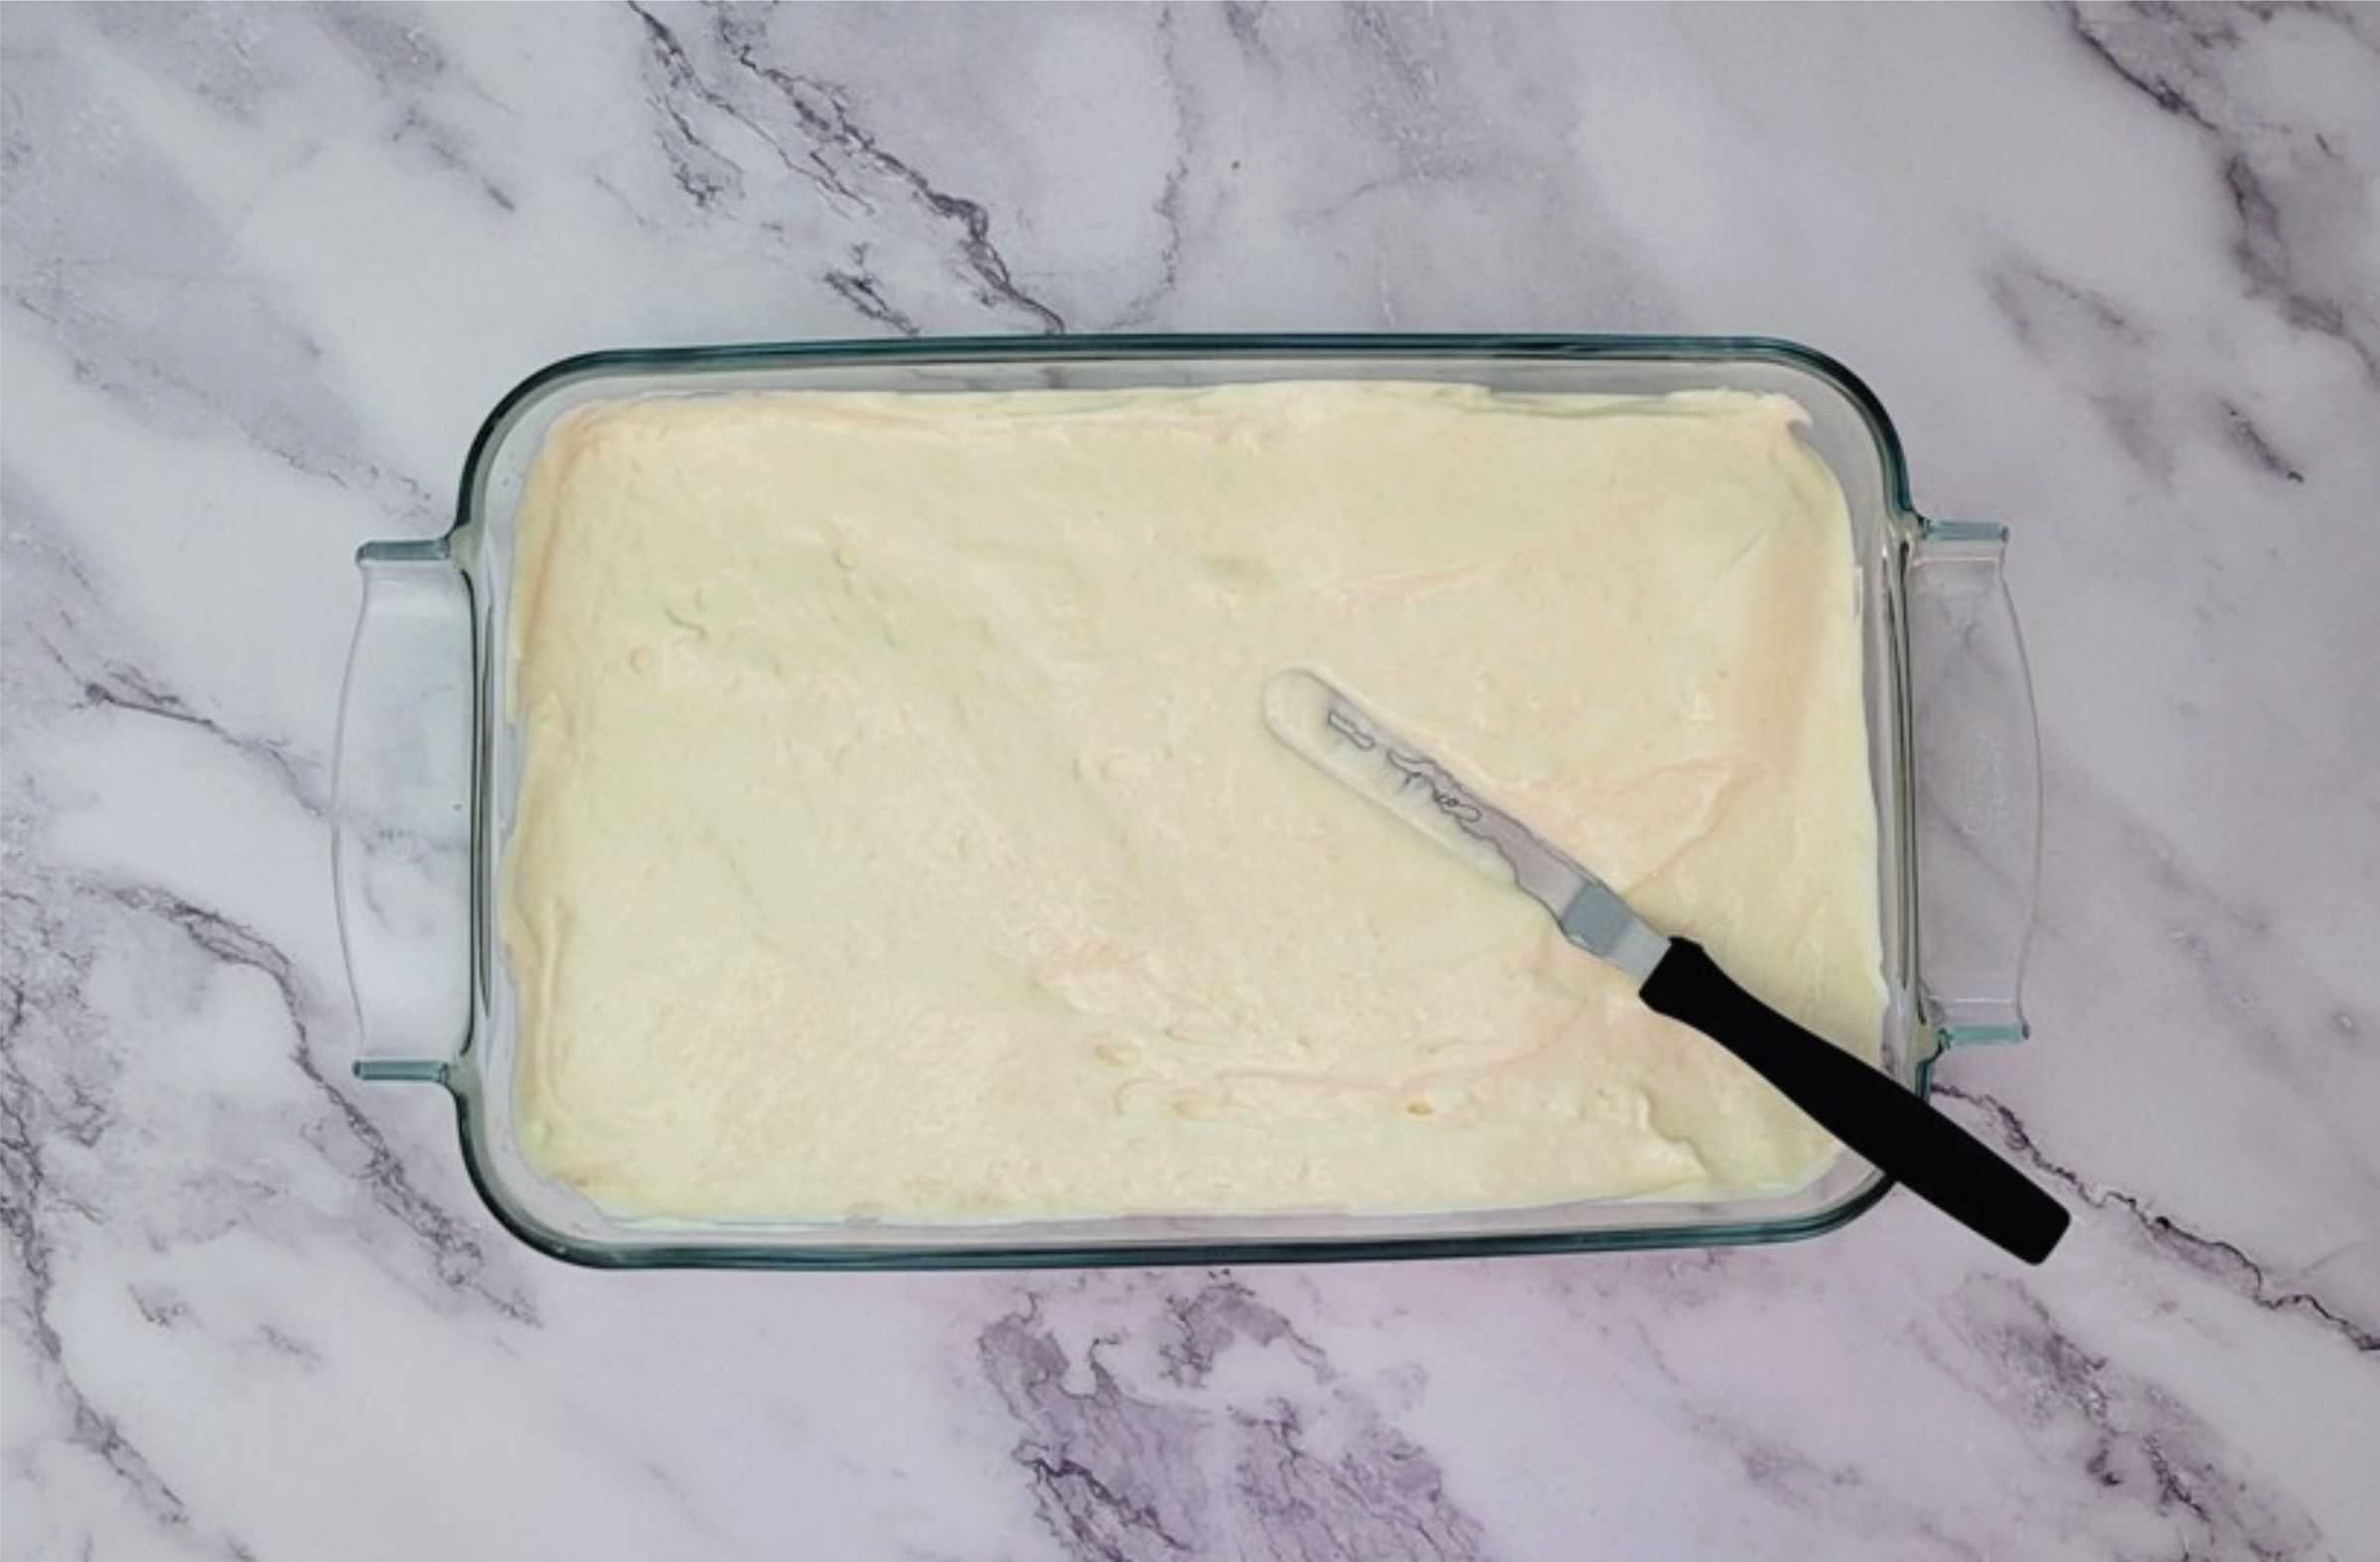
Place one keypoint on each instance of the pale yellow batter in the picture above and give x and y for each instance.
(899, 832)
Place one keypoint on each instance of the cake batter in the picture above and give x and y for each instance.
(898, 832)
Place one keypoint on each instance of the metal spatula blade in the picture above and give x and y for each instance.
(1348, 742)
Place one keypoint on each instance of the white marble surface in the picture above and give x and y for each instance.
(2119, 277)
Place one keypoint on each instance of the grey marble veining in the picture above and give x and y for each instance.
(262, 271)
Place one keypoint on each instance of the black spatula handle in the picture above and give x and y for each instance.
(1905, 1139)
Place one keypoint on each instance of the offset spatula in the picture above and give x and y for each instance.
(1899, 1134)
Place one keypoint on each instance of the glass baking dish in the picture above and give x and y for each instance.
(426, 766)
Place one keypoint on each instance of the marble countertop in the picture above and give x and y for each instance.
(2117, 275)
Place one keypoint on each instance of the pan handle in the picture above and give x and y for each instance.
(401, 828)
(1977, 804)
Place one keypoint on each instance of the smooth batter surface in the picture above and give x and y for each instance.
(900, 833)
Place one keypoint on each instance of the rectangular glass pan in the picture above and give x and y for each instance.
(426, 767)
